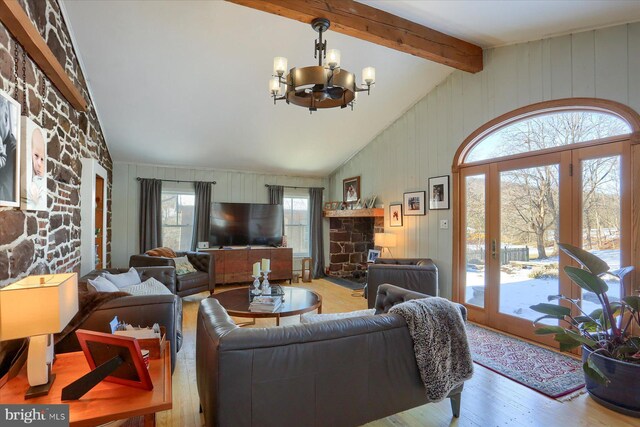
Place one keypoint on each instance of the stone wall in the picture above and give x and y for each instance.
(49, 241)
(350, 241)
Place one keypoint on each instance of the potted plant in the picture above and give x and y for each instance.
(610, 351)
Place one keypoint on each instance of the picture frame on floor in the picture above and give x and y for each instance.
(414, 203)
(395, 215)
(439, 193)
(9, 151)
(373, 255)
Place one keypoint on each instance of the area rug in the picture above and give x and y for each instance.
(552, 374)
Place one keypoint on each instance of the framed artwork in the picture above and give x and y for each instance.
(439, 192)
(373, 255)
(351, 189)
(34, 166)
(328, 206)
(100, 348)
(414, 203)
(9, 151)
(395, 215)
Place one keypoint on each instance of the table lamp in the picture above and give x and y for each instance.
(37, 307)
(385, 240)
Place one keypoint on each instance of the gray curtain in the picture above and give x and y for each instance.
(276, 194)
(150, 214)
(201, 214)
(316, 242)
(276, 197)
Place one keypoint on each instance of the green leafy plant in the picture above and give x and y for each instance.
(606, 330)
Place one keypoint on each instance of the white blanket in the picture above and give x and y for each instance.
(439, 342)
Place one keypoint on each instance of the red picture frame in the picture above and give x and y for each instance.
(99, 347)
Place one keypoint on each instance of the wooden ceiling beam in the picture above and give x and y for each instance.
(379, 27)
(20, 26)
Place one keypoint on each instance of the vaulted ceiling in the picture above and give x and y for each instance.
(186, 83)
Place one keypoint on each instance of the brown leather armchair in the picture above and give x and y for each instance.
(166, 310)
(187, 284)
(307, 374)
(414, 274)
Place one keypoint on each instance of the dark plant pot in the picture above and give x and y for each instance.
(622, 394)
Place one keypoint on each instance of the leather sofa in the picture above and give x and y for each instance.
(166, 310)
(414, 274)
(187, 284)
(335, 373)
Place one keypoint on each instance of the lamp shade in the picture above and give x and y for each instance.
(333, 58)
(279, 65)
(369, 75)
(385, 240)
(38, 305)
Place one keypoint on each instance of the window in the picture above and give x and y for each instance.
(296, 223)
(548, 131)
(177, 219)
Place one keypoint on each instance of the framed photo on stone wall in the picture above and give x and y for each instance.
(34, 166)
(414, 203)
(439, 192)
(9, 151)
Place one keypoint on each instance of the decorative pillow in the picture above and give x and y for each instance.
(162, 251)
(150, 286)
(183, 266)
(314, 318)
(121, 280)
(100, 284)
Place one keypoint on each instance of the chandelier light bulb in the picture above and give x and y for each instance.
(369, 75)
(274, 86)
(333, 58)
(279, 65)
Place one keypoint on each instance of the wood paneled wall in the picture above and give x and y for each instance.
(603, 63)
(231, 186)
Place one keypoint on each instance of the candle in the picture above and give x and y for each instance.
(256, 269)
(266, 263)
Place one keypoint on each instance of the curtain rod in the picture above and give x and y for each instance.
(175, 180)
(289, 186)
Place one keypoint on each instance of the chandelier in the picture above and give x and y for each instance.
(319, 86)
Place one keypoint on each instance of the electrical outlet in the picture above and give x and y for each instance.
(444, 224)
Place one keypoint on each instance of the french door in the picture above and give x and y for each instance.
(515, 211)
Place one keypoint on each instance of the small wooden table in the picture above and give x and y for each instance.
(296, 301)
(104, 403)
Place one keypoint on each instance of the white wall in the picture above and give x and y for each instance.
(231, 186)
(603, 63)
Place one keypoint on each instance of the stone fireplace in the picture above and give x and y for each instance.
(350, 241)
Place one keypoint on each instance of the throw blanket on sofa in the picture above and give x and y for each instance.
(439, 342)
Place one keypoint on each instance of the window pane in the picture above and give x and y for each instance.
(529, 233)
(296, 221)
(548, 131)
(177, 219)
(475, 240)
(601, 217)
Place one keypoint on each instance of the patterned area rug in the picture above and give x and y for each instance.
(550, 373)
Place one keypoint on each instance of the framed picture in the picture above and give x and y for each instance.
(328, 206)
(100, 348)
(395, 215)
(439, 192)
(351, 189)
(373, 255)
(9, 151)
(372, 202)
(414, 203)
(34, 166)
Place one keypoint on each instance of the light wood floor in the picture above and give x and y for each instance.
(488, 399)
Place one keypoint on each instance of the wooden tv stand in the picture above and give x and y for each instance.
(236, 265)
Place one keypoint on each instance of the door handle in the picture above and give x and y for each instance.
(493, 248)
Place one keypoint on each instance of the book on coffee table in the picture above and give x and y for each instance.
(266, 304)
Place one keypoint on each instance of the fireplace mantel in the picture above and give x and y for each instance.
(354, 213)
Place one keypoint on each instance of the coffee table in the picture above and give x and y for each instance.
(296, 301)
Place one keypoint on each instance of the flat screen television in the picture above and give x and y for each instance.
(242, 224)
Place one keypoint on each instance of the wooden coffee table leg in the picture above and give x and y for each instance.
(150, 420)
(320, 309)
(278, 320)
